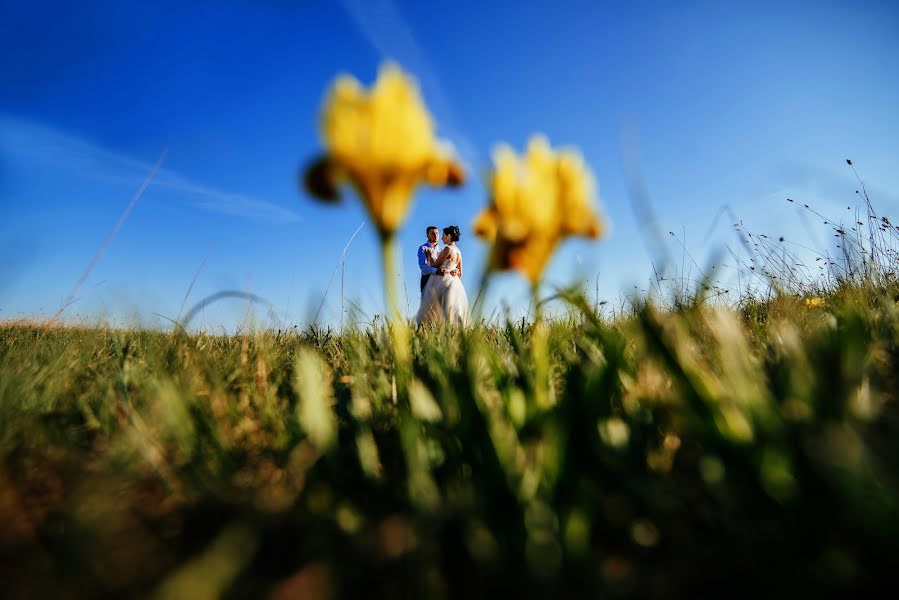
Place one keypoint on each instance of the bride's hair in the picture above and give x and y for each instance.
(453, 232)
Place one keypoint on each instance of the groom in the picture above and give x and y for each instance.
(428, 250)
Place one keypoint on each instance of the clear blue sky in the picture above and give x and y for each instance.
(733, 103)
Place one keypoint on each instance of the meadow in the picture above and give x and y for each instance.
(696, 448)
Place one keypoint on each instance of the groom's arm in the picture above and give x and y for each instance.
(423, 262)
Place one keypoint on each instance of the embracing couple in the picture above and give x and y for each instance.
(443, 298)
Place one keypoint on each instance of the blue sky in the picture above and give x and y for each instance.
(738, 104)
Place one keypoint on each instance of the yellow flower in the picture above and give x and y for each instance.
(536, 201)
(382, 141)
(815, 302)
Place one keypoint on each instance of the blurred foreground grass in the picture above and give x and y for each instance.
(701, 449)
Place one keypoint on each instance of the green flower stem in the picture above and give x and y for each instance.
(399, 329)
(543, 396)
(478, 307)
(388, 255)
(535, 301)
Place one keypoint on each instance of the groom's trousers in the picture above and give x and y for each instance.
(424, 282)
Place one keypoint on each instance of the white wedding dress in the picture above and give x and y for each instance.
(444, 299)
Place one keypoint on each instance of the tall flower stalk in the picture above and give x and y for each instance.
(536, 201)
(382, 142)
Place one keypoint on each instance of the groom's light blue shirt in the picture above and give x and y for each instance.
(426, 269)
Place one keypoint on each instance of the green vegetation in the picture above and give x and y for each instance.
(671, 452)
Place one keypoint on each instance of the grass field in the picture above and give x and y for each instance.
(662, 453)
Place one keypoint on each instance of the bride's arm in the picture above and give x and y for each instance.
(436, 262)
(459, 268)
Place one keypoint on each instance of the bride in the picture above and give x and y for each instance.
(444, 299)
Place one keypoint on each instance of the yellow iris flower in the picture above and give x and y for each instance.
(382, 141)
(536, 201)
(815, 302)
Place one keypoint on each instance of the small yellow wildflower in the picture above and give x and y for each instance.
(536, 201)
(382, 141)
(815, 302)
